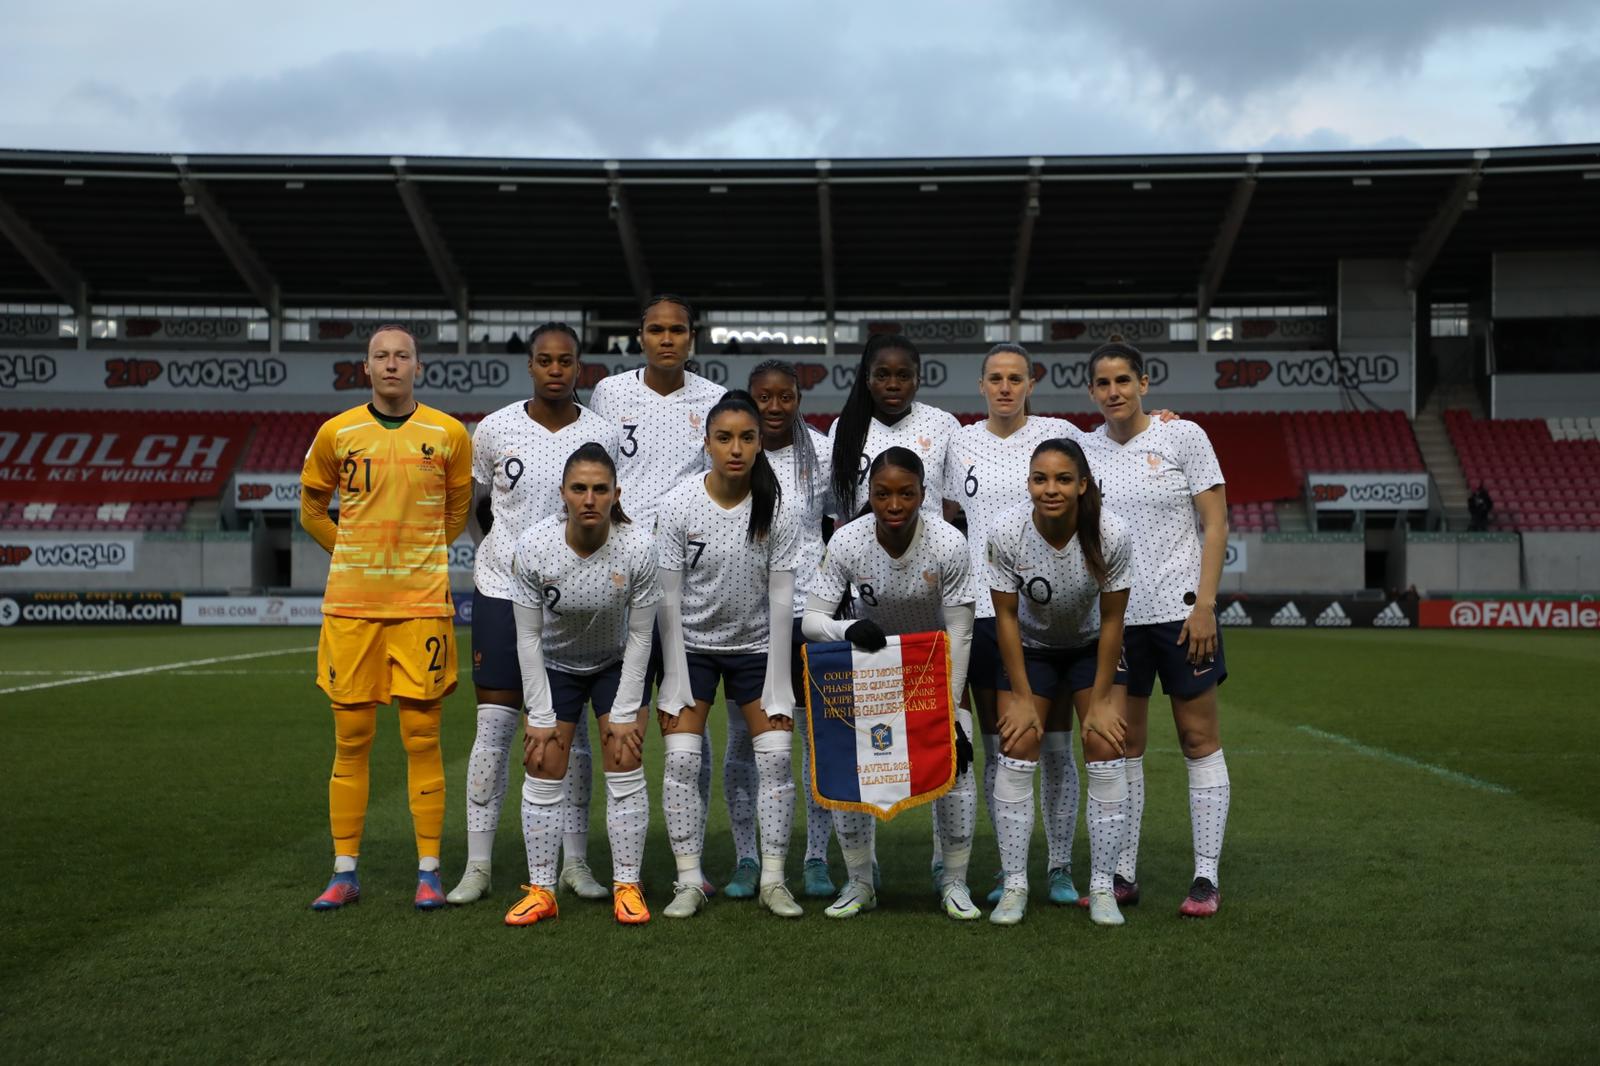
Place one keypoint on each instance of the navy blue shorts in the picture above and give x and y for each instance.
(796, 667)
(494, 644)
(744, 676)
(569, 692)
(984, 669)
(655, 669)
(1050, 668)
(1154, 650)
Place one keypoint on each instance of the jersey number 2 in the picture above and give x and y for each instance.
(436, 647)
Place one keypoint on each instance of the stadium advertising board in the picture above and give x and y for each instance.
(360, 331)
(1369, 492)
(85, 553)
(30, 327)
(1236, 559)
(931, 330)
(90, 608)
(266, 492)
(1510, 614)
(948, 379)
(252, 610)
(1307, 331)
(119, 455)
(1100, 330)
(1314, 611)
(180, 330)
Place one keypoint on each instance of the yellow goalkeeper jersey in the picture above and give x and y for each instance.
(404, 493)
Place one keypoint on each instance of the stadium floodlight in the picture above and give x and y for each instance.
(1143, 186)
(1361, 181)
(717, 189)
(73, 182)
(928, 186)
(507, 186)
(294, 185)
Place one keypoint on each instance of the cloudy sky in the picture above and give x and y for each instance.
(634, 78)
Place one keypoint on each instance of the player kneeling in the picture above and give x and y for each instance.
(585, 587)
(1059, 576)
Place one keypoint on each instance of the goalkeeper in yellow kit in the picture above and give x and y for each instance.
(403, 472)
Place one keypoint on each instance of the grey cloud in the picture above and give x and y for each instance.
(1323, 139)
(1228, 48)
(797, 82)
(1563, 97)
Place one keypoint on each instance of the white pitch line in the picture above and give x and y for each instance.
(1405, 760)
(109, 675)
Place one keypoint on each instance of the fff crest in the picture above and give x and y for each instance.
(882, 737)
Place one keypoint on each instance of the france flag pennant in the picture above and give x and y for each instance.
(883, 733)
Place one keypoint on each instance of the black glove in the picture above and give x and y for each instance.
(867, 635)
(963, 751)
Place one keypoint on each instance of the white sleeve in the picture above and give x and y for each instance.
(958, 626)
(535, 685)
(1198, 458)
(635, 664)
(829, 582)
(675, 694)
(955, 577)
(818, 622)
(999, 567)
(777, 695)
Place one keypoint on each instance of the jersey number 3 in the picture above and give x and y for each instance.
(630, 443)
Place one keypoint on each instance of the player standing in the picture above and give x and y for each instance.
(1059, 571)
(727, 550)
(911, 574)
(882, 411)
(799, 457)
(513, 450)
(585, 589)
(1163, 480)
(986, 473)
(403, 472)
(659, 412)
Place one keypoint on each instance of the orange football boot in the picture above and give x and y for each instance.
(628, 903)
(537, 905)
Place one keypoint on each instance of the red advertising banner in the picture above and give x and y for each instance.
(92, 456)
(1510, 614)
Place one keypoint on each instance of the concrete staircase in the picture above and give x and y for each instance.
(1440, 455)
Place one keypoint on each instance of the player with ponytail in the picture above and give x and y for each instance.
(1164, 481)
(1058, 570)
(799, 456)
(882, 411)
(728, 548)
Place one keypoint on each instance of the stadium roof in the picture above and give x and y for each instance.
(1049, 231)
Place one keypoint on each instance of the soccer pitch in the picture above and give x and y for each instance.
(1408, 875)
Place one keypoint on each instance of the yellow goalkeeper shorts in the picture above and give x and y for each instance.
(378, 660)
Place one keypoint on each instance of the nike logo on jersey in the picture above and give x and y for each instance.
(431, 791)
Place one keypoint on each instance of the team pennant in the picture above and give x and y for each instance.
(883, 734)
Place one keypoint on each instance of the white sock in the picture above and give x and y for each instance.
(1012, 809)
(1059, 774)
(1107, 815)
(428, 863)
(955, 815)
(774, 766)
(541, 827)
(857, 834)
(580, 787)
(1209, 793)
(680, 800)
(819, 820)
(488, 771)
(627, 821)
(703, 778)
(991, 766)
(739, 785)
(1128, 860)
(344, 864)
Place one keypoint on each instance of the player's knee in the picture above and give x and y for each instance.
(354, 727)
(419, 731)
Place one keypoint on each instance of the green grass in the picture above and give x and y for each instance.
(164, 833)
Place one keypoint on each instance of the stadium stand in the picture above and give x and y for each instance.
(153, 516)
(1539, 482)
